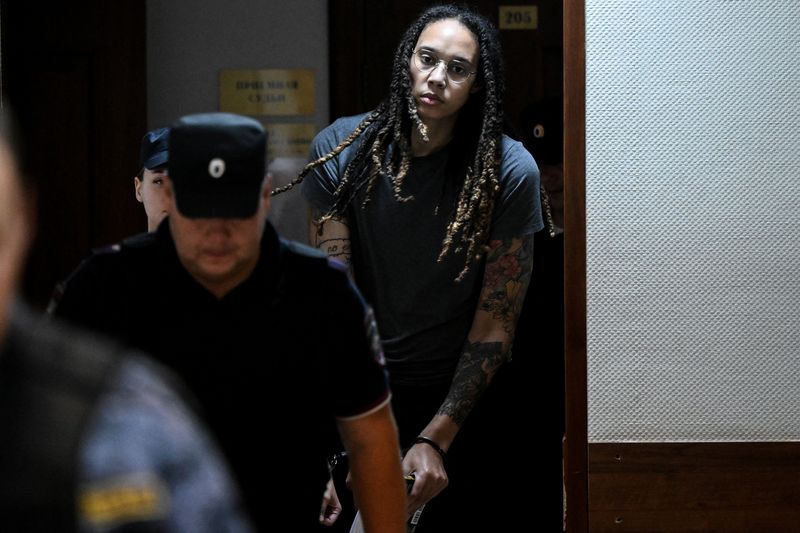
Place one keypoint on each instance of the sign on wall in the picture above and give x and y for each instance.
(267, 92)
(518, 17)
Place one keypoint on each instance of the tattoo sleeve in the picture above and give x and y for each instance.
(479, 361)
(508, 271)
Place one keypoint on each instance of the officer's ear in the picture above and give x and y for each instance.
(137, 188)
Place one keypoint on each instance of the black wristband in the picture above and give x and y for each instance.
(431, 443)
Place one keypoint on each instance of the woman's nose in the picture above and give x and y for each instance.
(439, 73)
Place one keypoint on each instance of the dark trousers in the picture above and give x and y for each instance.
(483, 464)
(494, 466)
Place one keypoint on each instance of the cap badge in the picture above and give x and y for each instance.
(216, 168)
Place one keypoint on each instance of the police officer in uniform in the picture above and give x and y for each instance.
(273, 338)
(151, 182)
(92, 437)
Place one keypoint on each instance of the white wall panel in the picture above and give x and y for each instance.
(693, 219)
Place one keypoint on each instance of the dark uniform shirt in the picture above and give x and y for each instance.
(272, 363)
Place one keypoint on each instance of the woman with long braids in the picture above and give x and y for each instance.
(434, 209)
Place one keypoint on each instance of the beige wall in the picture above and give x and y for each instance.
(190, 41)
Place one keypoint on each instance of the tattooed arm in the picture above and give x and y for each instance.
(333, 238)
(509, 264)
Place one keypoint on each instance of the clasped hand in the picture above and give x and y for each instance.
(427, 467)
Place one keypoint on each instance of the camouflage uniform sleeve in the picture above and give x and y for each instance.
(147, 464)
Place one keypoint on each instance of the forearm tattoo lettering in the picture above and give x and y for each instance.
(335, 246)
(479, 361)
(508, 273)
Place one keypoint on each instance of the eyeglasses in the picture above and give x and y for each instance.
(457, 71)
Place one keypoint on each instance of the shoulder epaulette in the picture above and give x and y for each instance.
(303, 249)
(304, 254)
(140, 240)
(108, 249)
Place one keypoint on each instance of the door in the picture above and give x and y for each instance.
(74, 73)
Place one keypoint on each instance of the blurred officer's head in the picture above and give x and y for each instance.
(219, 197)
(151, 182)
(15, 221)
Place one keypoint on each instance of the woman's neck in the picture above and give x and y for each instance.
(439, 134)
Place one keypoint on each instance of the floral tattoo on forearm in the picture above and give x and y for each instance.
(508, 272)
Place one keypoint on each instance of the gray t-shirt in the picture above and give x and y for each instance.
(423, 314)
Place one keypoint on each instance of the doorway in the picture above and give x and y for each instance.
(530, 389)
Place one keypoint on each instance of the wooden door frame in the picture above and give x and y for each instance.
(576, 440)
(79, 93)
